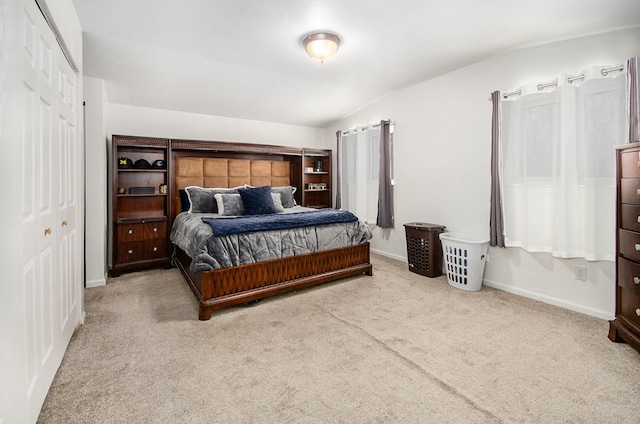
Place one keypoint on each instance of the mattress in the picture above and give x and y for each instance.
(208, 251)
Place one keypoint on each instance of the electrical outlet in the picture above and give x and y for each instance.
(580, 272)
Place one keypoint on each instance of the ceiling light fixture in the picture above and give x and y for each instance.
(321, 45)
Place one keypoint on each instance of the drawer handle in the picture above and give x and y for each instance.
(130, 251)
(155, 229)
(638, 246)
(636, 280)
(639, 218)
(638, 312)
(155, 249)
(638, 191)
(130, 231)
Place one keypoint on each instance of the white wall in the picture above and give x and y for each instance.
(97, 158)
(141, 121)
(67, 23)
(442, 147)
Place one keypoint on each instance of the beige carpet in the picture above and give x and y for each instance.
(395, 347)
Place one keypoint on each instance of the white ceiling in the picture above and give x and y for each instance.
(244, 58)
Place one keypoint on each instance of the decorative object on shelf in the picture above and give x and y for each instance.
(125, 163)
(142, 164)
(122, 190)
(317, 167)
(159, 164)
(317, 186)
(321, 45)
(142, 190)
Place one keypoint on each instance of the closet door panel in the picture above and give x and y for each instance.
(39, 215)
(51, 242)
(68, 250)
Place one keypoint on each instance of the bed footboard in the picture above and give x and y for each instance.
(224, 287)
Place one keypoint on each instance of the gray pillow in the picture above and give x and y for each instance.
(229, 204)
(202, 200)
(277, 202)
(286, 193)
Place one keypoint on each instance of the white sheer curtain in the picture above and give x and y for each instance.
(558, 164)
(360, 157)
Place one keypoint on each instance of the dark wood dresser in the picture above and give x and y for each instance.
(626, 325)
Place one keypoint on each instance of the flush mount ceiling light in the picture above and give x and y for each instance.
(321, 45)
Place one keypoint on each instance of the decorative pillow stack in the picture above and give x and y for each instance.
(202, 200)
(244, 200)
(231, 204)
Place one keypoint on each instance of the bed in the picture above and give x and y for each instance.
(230, 268)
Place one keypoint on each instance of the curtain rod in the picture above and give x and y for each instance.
(364, 127)
(604, 72)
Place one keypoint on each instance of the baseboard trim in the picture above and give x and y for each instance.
(96, 283)
(389, 255)
(526, 293)
(550, 300)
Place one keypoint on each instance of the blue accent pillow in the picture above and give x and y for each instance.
(257, 201)
(184, 200)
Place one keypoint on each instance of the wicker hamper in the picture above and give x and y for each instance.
(424, 252)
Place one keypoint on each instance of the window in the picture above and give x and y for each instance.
(360, 170)
(558, 167)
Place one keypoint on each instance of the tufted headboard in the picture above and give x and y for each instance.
(220, 172)
(223, 172)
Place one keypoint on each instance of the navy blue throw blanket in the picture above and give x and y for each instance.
(252, 223)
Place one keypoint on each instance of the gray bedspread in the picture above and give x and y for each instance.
(208, 251)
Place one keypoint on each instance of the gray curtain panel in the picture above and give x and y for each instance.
(496, 222)
(633, 112)
(385, 190)
(339, 168)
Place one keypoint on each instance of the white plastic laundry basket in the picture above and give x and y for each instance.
(464, 257)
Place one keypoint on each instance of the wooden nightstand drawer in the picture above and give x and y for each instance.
(629, 164)
(130, 252)
(142, 250)
(154, 249)
(155, 230)
(629, 275)
(629, 306)
(630, 217)
(130, 232)
(630, 245)
(630, 190)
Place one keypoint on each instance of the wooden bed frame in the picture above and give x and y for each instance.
(216, 164)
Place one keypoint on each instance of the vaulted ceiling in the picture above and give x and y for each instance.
(245, 59)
